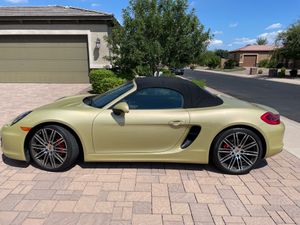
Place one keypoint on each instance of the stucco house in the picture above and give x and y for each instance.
(251, 55)
(53, 44)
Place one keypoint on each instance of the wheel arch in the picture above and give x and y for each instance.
(256, 131)
(35, 128)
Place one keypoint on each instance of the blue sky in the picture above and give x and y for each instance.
(234, 23)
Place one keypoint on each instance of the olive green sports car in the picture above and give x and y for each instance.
(146, 120)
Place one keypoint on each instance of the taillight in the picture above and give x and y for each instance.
(271, 118)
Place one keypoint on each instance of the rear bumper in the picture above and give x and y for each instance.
(12, 142)
(274, 139)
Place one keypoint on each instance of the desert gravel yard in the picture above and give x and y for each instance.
(139, 193)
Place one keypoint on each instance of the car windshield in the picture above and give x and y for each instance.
(100, 101)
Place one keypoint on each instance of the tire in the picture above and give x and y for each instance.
(237, 151)
(53, 148)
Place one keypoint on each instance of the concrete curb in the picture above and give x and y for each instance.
(292, 130)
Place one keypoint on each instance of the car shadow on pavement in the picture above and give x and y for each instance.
(133, 165)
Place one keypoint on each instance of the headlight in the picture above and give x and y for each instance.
(19, 117)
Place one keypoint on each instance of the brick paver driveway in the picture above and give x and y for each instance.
(139, 193)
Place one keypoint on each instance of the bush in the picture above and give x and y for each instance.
(260, 71)
(103, 80)
(263, 63)
(213, 62)
(209, 59)
(99, 74)
(103, 85)
(167, 72)
(230, 64)
(294, 73)
(272, 63)
(282, 72)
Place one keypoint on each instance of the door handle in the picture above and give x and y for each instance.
(177, 123)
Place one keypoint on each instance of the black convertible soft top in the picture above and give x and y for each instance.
(194, 96)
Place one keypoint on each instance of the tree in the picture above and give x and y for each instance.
(261, 41)
(290, 42)
(157, 33)
(222, 53)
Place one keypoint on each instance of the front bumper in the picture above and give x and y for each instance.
(12, 142)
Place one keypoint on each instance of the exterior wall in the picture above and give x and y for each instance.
(239, 56)
(93, 31)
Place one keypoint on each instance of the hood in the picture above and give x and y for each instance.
(66, 102)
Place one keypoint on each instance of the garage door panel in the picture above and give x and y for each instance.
(44, 77)
(42, 45)
(42, 53)
(44, 58)
(250, 60)
(43, 65)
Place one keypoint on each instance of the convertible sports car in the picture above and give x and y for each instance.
(155, 119)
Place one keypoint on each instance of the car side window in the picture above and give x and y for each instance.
(155, 98)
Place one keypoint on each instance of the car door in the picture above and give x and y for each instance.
(156, 122)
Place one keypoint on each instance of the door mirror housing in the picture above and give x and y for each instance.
(120, 108)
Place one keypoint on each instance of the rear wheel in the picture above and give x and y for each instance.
(237, 150)
(53, 148)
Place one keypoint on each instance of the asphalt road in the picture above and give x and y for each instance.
(284, 97)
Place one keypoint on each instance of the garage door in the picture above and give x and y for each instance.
(49, 59)
(249, 60)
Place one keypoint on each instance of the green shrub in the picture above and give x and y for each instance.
(282, 72)
(167, 72)
(103, 80)
(230, 64)
(263, 63)
(99, 74)
(260, 71)
(272, 63)
(103, 85)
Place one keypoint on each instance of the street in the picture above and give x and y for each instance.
(281, 96)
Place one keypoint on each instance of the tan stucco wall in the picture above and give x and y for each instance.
(92, 31)
(239, 57)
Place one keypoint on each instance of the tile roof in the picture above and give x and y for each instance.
(46, 11)
(256, 48)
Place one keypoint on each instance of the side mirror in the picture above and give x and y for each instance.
(120, 108)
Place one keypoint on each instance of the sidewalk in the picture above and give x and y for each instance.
(244, 74)
(292, 130)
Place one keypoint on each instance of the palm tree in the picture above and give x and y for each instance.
(261, 41)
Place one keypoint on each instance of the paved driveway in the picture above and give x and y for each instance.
(140, 193)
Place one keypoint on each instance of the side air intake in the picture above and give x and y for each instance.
(191, 136)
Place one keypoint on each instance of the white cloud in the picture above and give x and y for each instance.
(232, 25)
(95, 4)
(17, 1)
(274, 26)
(244, 41)
(216, 42)
(217, 32)
(270, 36)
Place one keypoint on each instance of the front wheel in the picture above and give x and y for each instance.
(237, 150)
(53, 148)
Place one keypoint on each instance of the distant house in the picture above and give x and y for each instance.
(53, 44)
(251, 55)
